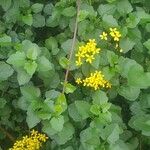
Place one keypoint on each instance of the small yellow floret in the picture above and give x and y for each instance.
(121, 50)
(78, 80)
(103, 36)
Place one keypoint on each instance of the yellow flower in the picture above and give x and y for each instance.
(103, 36)
(87, 52)
(32, 142)
(78, 80)
(89, 58)
(113, 29)
(121, 50)
(96, 80)
(115, 34)
(117, 45)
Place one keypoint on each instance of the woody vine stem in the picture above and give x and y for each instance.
(72, 46)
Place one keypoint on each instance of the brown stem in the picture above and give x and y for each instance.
(7, 134)
(72, 46)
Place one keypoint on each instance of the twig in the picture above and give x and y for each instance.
(73, 45)
(7, 134)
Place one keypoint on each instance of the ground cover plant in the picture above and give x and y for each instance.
(74, 75)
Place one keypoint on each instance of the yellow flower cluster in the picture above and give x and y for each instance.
(115, 34)
(95, 80)
(87, 52)
(32, 142)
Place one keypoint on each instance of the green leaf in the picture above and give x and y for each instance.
(95, 109)
(27, 19)
(48, 9)
(107, 9)
(126, 44)
(141, 80)
(141, 123)
(111, 1)
(83, 108)
(90, 138)
(110, 133)
(17, 59)
(52, 21)
(5, 71)
(66, 45)
(38, 21)
(47, 128)
(109, 21)
(120, 145)
(129, 92)
(37, 7)
(44, 64)
(23, 77)
(32, 52)
(5, 39)
(147, 45)
(69, 11)
(64, 62)
(5, 4)
(82, 15)
(124, 7)
(22, 103)
(112, 58)
(105, 107)
(52, 44)
(52, 94)
(133, 20)
(96, 62)
(61, 100)
(44, 115)
(68, 148)
(124, 65)
(57, 123)
(73, 113)
(69, 88)
(30, 92)
(99, 97)
(32, 119)
(2, 103)
(90, 9)
(65, 135)
(30, 67)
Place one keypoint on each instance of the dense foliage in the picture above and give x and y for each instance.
(36, 37)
